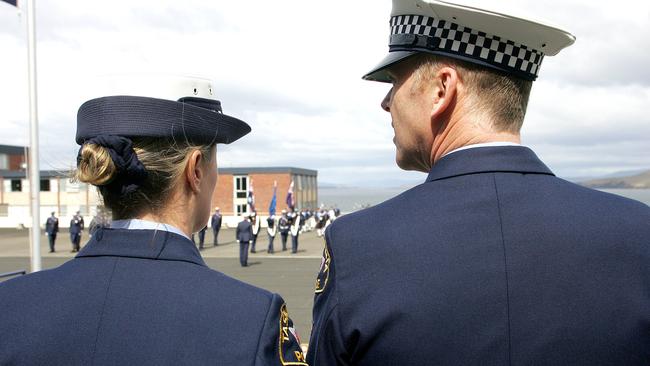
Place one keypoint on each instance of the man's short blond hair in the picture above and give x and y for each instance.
(503, 98)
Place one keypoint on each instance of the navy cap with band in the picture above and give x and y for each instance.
(112, 121)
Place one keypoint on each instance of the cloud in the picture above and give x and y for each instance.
(292, 70)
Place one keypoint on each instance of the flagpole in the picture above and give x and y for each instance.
(34, 173)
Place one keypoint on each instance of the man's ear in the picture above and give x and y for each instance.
(445, 88)
(193, 172)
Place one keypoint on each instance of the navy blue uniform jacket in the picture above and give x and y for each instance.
(52, 225)
(141, 297)
(492, 261)
(244, 232)
(76, 224)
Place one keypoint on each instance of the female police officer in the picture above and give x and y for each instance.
(139, 292)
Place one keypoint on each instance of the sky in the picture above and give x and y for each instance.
(292, 70)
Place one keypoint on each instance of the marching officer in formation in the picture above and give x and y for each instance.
(139, 292)
(202, 237)
(506, 263)
(271, 229)
(215, 223)
(255, 226)
(296, 224)
(51, 229)
(283, 227)
(76, 228)
(244, 236)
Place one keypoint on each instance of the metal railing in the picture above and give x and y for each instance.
(14, 273)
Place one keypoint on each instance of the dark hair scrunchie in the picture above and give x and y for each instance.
(131, 174)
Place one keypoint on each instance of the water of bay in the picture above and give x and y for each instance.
(350, 199)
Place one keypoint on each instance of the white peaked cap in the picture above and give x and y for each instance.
(510, 44)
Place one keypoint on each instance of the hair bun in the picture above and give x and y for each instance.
(95, 165)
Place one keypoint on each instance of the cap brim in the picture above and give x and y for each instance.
(378, 73)
(134, 116)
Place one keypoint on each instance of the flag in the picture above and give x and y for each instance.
(251, 197)
(12, 2)
(273, 200)
(291, 202)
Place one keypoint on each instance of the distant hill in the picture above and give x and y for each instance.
(639, 181)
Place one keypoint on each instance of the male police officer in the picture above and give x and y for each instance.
(296, 225)
(244, 235)
(255, 227)
(76, 228)
(215, 223)
(506, 264)
(202, 237)
(283, 226)
(271, 229)
(51, 229)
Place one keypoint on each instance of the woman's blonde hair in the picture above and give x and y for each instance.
(164, 161)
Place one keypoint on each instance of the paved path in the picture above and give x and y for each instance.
(292, 276)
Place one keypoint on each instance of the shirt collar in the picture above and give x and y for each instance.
(137, 224)
(514, 159)
(484, 144)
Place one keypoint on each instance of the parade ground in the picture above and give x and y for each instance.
(290, 275)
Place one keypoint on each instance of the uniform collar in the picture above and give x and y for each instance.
(513, 159)
(147, 244)
(137, 224)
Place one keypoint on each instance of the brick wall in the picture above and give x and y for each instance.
(223, 193)
(263, 188)
(16, 162)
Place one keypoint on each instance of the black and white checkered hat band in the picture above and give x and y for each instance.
(417, 32)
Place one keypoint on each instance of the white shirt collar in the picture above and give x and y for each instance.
(137, 224)
(485, 144)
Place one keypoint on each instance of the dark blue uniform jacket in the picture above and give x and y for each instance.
(141, 297)
(492, 261)
(244, 232)
(52, 225)
(76, 224)
(215, 221)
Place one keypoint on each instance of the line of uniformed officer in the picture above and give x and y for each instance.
(76, 228)
(51, 230)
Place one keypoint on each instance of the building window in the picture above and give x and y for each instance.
(45, 185)
(4, 161)
(242, 209)
(4, 210)
(16, 185)
(241, 187)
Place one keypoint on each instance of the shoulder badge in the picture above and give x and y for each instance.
(287, 332)
(324, 273)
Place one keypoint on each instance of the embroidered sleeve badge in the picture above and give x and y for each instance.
(289, 343)
(324, 273)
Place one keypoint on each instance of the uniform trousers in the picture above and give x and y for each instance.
(253, 243)
(284, 240)
(294, 243)
(215, 233)
(201, 238)
(243, 253)
(271, 238)
(75, 239)
(52, 239)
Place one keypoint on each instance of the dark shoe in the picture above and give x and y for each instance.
(51, 251)
(252, 251)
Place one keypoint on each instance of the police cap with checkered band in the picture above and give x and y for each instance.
(509, 44)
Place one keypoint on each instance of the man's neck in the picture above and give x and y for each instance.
(459, 133)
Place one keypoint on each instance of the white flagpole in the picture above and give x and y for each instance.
(34, 173)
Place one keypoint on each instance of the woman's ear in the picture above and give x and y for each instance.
(193, 172)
